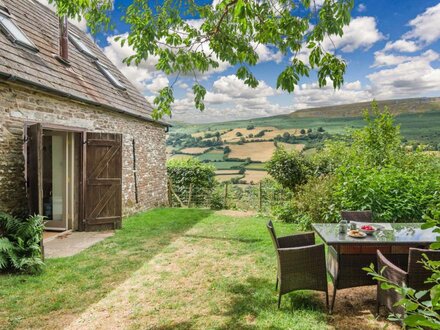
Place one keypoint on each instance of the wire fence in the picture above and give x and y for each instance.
(259, 197)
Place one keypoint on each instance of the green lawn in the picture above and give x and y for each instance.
(166, 269)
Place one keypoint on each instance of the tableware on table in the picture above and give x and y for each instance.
(368, 229)
(356, 233)
(342, 226)
(353, 225)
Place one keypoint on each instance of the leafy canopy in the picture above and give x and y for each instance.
(228, 31)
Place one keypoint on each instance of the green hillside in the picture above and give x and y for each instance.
(419, 119)
(246, 145)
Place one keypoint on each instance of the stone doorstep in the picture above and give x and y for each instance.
(55, 235)
(69, 243)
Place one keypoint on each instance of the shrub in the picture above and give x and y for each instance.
(184, 173)
(314, 202)
(20, 243)
(250, 126)
(392, 193)
(290, 169)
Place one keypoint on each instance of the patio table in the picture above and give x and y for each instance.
(346, 256)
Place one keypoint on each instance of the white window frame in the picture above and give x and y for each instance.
(110, 76)
(10, 35)
(81, 46)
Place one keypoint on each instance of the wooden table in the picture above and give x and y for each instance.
(347, 256)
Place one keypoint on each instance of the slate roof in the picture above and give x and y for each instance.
(82, 80)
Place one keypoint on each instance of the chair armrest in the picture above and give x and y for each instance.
(391, 271)
(297, 240)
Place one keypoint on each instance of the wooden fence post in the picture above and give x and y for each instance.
(174, 193)
(170, 195)
(226, 195)
(190, 194)
(260, 197)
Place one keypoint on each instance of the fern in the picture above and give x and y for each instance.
(20, 243)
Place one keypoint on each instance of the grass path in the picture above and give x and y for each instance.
(175, 269)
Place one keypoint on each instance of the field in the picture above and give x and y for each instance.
(419, 121)
(254, 176)
(194, 150)
(256, 166)
(180, 156)
(226, 165)
(226, 172)
(291, 147)
(213, 156)
(257, 151)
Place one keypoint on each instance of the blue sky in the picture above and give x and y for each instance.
(391, 47)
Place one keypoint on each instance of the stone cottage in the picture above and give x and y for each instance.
(77, 141)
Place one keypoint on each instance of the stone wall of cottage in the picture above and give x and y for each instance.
(19, 105)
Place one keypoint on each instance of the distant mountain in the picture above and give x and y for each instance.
(413, 105)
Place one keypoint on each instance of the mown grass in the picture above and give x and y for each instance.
(166, 269)
(219, 275)
(69, 285)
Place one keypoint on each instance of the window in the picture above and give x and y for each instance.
(81, 46)
(14, 33)
(106, 72)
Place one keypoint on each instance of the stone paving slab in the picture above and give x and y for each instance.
(72, 243)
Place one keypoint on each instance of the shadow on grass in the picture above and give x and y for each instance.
(255, 304)
(69, 285)
(235, 239)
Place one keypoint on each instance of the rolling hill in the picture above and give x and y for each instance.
(254, 140)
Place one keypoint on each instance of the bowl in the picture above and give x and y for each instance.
(368, 229)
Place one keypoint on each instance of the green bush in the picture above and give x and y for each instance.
(369, 170)
(394, 194)
(20, 243)
(316, 200)
(290, 169)
(186, 173)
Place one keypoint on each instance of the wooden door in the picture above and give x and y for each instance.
(34, 168)
(103, 181)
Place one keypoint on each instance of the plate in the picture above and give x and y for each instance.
(356, 234)
(368, 232)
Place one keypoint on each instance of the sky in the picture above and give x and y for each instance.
(392, 50)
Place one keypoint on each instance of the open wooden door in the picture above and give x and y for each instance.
(103, 181)
(34, 168)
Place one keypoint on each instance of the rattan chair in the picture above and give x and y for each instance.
(361, 216)
(414, 277)
(301, 263)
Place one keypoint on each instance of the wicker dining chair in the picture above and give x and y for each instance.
(361, 216)
(414, 277)
(301, 263)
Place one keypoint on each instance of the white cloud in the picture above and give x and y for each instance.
(311, 95)
(266, 54)
(425, 27)
(142, 75)
(383, 59)
(401, 45)
(230, 98)
(361, 33)
(361, 8)
(414, 77)
(158, 83)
